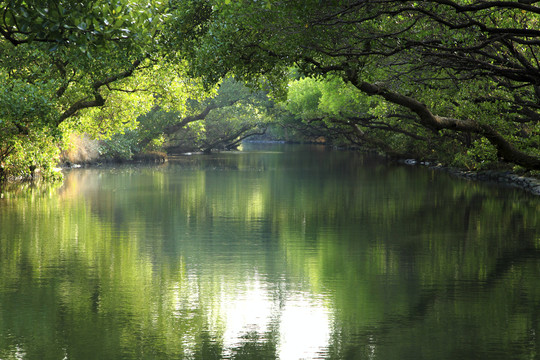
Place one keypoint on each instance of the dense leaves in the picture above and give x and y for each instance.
(86, 25)
(219, 122)
(455, 81)
(469, 67)
(79, 67)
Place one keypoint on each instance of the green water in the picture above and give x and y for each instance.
(277, 251)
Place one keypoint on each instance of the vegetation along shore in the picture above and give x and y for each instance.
(448, 82)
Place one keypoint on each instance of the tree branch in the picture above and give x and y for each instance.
(504, 148)
(200, 116)
(98, 99)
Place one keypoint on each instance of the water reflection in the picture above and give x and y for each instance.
(282, 253)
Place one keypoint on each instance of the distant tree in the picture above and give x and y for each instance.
(220, 122)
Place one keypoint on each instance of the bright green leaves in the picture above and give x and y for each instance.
(26, 105)
(480, 155)
(27, 137)
(36, 153)
(303, 97)
(332, 97)
(45, 82)
(218, 122)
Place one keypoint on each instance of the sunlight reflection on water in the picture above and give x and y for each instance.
(303, 322)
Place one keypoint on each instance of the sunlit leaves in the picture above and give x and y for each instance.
(303, 97)
(233, 113)
(26, 104)
(64, 60)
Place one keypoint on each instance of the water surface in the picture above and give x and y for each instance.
(275, 252)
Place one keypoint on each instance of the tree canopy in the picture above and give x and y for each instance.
(457, 81)
(458, 70)
(85, 67)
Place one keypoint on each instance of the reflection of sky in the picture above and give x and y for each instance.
(304, 322)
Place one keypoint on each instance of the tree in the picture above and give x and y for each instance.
(338, 112)
(466, 72)
(220, 121)
(70, 67)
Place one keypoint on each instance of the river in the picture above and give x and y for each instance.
(273, 252)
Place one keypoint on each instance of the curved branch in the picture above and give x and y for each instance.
(226, 139)
(98, 99)
(434, 122)
(200, 116)
(235, 143)
(482, 5)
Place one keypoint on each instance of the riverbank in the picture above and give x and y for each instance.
(502, 178)
(529, 184)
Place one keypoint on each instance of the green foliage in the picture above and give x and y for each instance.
(75, 67)
(468, 74)
(85, 25)
(119, 147)
(481, 155)
(339, 113)
(225, 125)
(330, 97)
(303, 98)
(37, 154)
(99, 67)
(216, 122)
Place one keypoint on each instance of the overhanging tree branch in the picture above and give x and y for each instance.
(434, 122)
(200, 116)
(98, 99)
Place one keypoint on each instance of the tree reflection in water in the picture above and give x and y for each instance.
(312, 254)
